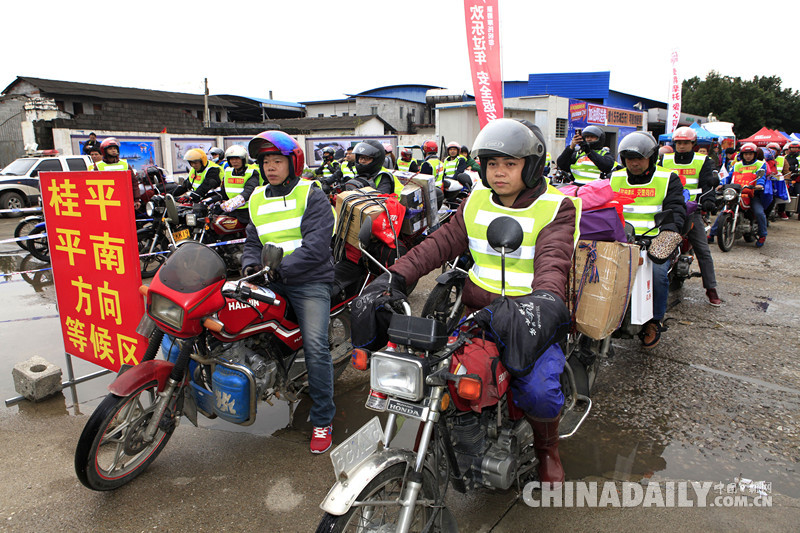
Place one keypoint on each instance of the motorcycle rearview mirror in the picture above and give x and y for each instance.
(760, 173)
(715, 178)
(271, 257)
(630, 232)
(504, 235)
(172, 209)
(664, 217)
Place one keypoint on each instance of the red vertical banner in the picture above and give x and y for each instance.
(674, 111)
(91, 230)
(483, 42)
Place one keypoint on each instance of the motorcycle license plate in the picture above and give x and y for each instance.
(180, 235)
(363, 443)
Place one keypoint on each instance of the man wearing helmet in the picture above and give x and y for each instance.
(591, 161)
(217, 156)
(370, 156)
(512, 156)
(452, 177)
(745, 173)
(204, 176)
(791, 173)
(406, 163)
(294, 214)
(431, 163)
(238, 183)
(697, 175)
(347, 166)
(653, 189)
(329, 167)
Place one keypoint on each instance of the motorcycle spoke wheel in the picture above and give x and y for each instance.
(149, 264)
(726, 234)
(444, 304)
(339, 332)
(385, 490)
(112, 450)
(24, 229)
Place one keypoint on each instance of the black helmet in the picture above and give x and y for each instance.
(597, 132)
(370, 148)
(218, 152)
(507, 137)
(154, 172)
(637, 145)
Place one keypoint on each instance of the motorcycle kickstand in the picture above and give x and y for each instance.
(291, 412)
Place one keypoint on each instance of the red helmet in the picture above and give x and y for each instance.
(666, 149)
(748, 147)
(108, 143)
(793, 144)
(684, 133)
(774, 146)
(405, 152)
(430, 147)
(277, 142)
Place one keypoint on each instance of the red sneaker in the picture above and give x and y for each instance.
(321, 439)
(713, 297)
(784, 216)
(760, 242)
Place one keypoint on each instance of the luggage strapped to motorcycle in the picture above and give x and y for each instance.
(348, 213)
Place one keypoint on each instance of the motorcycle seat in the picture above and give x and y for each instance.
(348, 277)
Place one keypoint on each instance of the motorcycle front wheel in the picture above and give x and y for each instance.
(385, 490)
(38, 247)
(726, 233)
(444, 303)
(111, 450)
(24, 228)
(149, 264)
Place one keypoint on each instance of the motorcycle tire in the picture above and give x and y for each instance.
(110, 452)
(726, 233)
(441, 301)
(38, 247)
(150, 264)
(385, 487)
(24, 229)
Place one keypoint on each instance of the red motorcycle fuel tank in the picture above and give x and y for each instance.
(187, 289)
(241, 320)
(226, 225)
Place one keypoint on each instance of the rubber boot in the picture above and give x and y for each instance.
(545, 442)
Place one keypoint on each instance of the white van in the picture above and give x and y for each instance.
(19, 181)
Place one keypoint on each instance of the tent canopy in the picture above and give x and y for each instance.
(764, 136)
(703, 135)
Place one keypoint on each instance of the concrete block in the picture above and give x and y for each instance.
(36, 378)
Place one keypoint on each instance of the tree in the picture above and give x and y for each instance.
(749, 104)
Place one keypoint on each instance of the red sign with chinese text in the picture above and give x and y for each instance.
(91, 231)
(483, 42)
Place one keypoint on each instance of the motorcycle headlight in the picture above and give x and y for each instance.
(191, 219)
(166, 311)
(149, 208)
(397, 375)
(729, 194)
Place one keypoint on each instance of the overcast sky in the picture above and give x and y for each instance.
(314, 50)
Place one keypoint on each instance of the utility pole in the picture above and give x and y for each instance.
(206, 113)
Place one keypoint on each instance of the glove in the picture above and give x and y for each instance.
(249, 270)
(525, 327)
(371, 311)
(585, 148)
(216, 209)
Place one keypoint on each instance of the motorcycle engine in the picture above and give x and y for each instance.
(683, 266)
(485, 456)
(264, 370)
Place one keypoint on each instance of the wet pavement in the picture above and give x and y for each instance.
(718, 398)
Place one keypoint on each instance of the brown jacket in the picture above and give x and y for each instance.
(551, 262)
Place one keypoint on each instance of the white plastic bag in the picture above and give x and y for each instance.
(642, 292)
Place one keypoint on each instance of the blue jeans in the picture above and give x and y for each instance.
(758, 211)
(660, 290)
(539, 393)
(312, 304)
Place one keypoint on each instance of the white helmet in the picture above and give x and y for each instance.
(237, 151)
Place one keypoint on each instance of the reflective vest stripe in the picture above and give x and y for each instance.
(275, 207)
(195, 179)
(583, 170)
(278, 219)
(122, 164)
(524, 252)
(450, 166)
(689, 172)
(234, 189)
(633, 208)
(648, 198)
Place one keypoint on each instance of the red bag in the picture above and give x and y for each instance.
(482, 358)
(381, 227)
(595, 193)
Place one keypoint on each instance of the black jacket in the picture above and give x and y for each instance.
(212, 181)
(312, 262)
(605, 163)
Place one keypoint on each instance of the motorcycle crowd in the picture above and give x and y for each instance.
(493, 369)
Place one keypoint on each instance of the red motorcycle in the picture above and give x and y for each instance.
(228, 345)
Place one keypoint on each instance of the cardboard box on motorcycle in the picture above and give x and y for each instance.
(601, 284)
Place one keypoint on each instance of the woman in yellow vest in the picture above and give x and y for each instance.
(111, 161)
(294, 214)
(653, 189)
(512, 157)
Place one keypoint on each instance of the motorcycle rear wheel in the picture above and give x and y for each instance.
(726, 233)
(151, 263)
(38, 247)
(111, 451)
(386, 487)
(23, 229)
(750, 235)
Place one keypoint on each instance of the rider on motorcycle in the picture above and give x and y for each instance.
(653, 189)
(295, 214)
(592, 161)
(697, 174)
(370, 156)
(111, 161)
(329, 166)
(238, 184)
(744, 174)
(406, 163)
(512, 157)
(431, 162)
(453, 168)
(204, 177)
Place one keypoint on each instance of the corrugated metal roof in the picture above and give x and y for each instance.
(412, 93)
(109, 92)
(571, 84)
(328, 123)
(515, 89)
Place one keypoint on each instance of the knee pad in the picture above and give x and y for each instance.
(539, 393)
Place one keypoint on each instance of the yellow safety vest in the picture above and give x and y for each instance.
(480, 210)
(122, 164)
(689, 173)
(648, 198)
(398, 187)
(234, 185)
(583, 170)
(278, 219)
(404, 165)
(195, 179)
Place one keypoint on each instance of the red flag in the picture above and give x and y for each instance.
(164, 130)
(483, 42)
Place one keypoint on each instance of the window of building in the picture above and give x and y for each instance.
(219, 116)
(561, 128)
(345, 114)
(60, 105)
(320, 115)
(77, 108)
(401, 111)
(199, 114)
(373, 110)
(98, 108)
